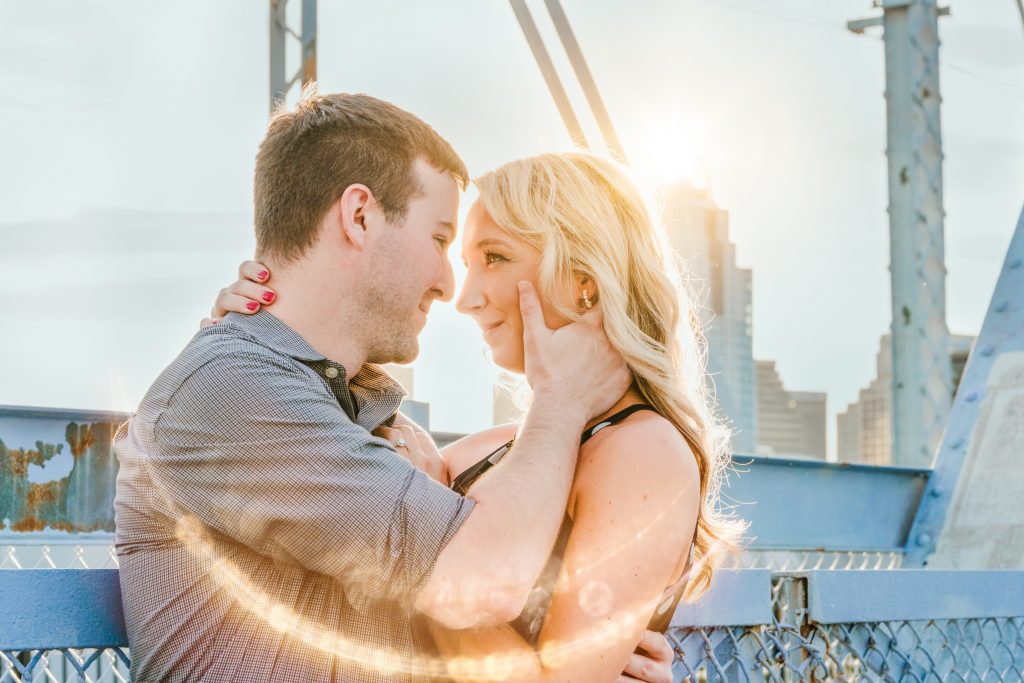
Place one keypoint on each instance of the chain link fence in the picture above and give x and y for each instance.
(790, 647)
(794, 648)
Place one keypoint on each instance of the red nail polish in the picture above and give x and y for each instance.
(268, 296)
(252, 305)
(262, 275)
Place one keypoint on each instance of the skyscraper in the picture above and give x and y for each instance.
(417, 411)
(699, 231)
(788, 422)
(864, 429)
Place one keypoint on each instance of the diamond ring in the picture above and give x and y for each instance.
(401, 443)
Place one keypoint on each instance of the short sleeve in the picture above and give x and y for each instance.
(260, 451)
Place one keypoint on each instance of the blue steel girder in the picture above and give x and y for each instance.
(811, 505)
(1002, 332)
(278, 39)
(60, 608)
(791, 503)
(837, 597)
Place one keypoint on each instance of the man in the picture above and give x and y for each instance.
(263, 532)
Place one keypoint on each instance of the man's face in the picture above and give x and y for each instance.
(409, 268)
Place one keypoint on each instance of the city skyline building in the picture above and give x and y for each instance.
(417, 411)
(698, 229)
(789, 423)
(864, 429)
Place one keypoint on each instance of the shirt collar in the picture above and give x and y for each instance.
(275, 334)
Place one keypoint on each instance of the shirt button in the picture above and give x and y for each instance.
(331, 372)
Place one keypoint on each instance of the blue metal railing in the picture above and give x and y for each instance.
(753, 625)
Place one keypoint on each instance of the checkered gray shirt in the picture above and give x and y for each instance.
(263, 533)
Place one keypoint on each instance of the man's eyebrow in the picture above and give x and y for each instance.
(449, 226)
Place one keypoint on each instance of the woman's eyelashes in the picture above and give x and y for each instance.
(491, 257)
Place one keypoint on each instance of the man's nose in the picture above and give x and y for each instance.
(446, 281)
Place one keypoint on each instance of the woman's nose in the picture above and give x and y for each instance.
(470, 298)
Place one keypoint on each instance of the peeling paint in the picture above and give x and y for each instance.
(79, 501)
(79, 437)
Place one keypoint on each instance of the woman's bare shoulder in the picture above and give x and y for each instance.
(469, 450)
(644, 453)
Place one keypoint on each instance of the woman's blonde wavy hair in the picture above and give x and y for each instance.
(585, 216)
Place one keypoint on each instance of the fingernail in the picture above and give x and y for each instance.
(262, 275)
(252, 305)
(268, 296)
(216, 322)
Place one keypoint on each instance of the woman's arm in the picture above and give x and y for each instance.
(469, 450)
(636, 502)
(636, 496)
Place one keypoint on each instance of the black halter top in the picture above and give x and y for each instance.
(529, 622)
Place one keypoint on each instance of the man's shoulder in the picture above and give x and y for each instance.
(215, 360)
(225, 342)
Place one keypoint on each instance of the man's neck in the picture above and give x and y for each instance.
(318, 314)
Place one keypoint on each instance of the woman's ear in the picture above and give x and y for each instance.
(586, 291)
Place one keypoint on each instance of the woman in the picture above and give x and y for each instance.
(642, 527)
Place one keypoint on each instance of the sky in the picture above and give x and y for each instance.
(128, 132)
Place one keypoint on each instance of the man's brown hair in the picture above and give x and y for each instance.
(312, 153)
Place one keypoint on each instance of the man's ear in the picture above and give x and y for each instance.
(349, 214)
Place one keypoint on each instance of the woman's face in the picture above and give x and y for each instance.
(496, 262)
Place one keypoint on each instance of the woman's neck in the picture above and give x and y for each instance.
(630, 398)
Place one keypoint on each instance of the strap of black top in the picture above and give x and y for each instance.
(613, 419)
(471, 474)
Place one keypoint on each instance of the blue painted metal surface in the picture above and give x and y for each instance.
(871, 625)
(1002, 332)
(737, 597)
(796, 504)
(791, 503)
(912, 595)
(57, 469)
(60, 608)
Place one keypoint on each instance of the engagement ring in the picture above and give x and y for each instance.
(401, 443)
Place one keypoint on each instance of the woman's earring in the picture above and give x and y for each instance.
(586, 300)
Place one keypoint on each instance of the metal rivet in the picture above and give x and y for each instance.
(936, 492)
(331, 372)
(1001, 306)
(924, 539)
(957, 443)
(1015, 263)
(971, 396)
(987, 351)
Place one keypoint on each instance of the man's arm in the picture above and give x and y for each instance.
(253, 447)
(485, 573)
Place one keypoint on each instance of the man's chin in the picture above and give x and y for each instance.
(406, 354)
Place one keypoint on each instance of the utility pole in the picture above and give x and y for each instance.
(280, 83)
(922, 383)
